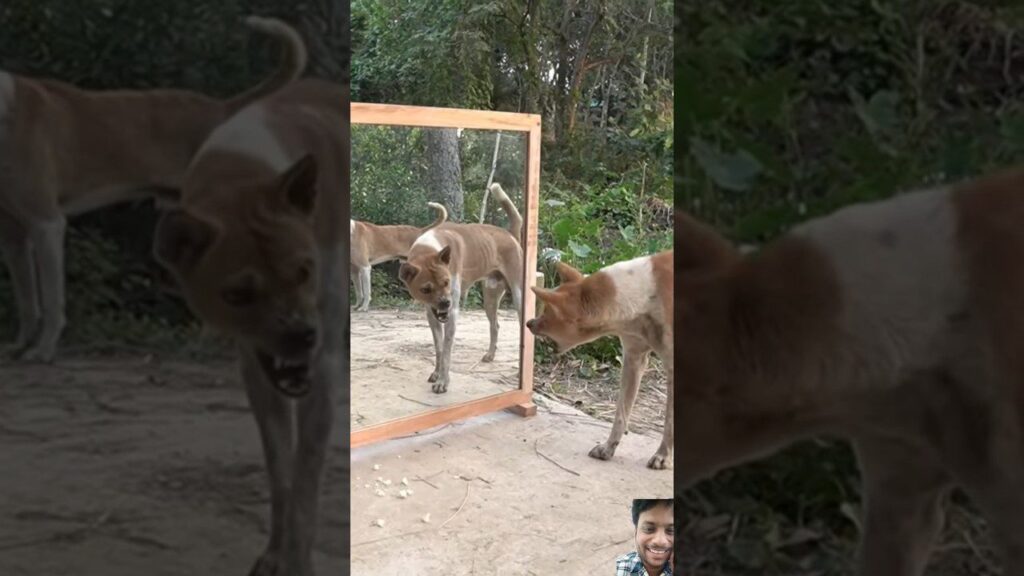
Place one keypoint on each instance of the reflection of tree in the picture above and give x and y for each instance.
(324, 26)
(444, 171)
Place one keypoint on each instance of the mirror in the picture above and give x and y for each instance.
(396, 171)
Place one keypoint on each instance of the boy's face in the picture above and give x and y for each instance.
(654, 536)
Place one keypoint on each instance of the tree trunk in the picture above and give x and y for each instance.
(444, 172)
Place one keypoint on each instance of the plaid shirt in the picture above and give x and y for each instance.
(630, 565)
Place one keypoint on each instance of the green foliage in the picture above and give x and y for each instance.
(791, 110)
(113, 44)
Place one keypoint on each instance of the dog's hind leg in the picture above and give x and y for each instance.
(903, 493)
(494, 289)
(356, 285)
(275, 417)
(48, 248)
(364, 288)
(17, 250)
(635, 354)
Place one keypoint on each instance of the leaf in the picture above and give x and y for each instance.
(730, 171)
(880, 114)
(579, 250)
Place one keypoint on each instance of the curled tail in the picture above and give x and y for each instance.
(293, 60)
(515, 221)
(442, 216)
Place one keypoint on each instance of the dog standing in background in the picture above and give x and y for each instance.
(65, 151)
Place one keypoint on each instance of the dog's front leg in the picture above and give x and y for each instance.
(48, 246)
(441, 386)
(315, 419)
(18, 253)
(635, 354)
(662, 459)
(903, 492)
(437, 332)
(275, 417)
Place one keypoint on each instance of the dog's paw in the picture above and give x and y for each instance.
(602, 452)
(489, 357)
(266, 565)
(38, 354)
(272, 564)
(441, 386)
(660, 462)
(433, 376)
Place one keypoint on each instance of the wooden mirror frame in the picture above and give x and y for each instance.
(518, 401)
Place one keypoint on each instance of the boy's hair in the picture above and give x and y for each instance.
(641, 505)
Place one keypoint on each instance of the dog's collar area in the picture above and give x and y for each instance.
(291, 378)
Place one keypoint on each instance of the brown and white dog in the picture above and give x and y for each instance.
(257, 244)
(449, 258)
(373, 244)
(631, 300)
(896, 324)
(65, 151)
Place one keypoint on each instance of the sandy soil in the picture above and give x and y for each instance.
(506, 496)
(393, 354)
(132, 465)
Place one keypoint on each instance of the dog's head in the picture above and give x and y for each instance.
(573, 312)
(753, 334)
(246, 263)
(428, 278)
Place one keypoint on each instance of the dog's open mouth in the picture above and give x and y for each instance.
(291, 377)
(441, 315)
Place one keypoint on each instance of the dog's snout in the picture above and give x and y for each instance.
(444, 304)
(302, 339)
(530, 324)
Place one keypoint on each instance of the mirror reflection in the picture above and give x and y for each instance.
(436, 268)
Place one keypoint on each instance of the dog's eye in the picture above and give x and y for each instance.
(426, 289)
(304, 274)
(240, 296)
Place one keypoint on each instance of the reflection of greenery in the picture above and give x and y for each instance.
(388, 182)
(607, 119)
(790, 110)
(109, 44)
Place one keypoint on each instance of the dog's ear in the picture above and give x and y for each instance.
(547, 296)
(181, 239)
(445, 255)
(297, 188)
(703, 249)
(407, 272)
(568, 273)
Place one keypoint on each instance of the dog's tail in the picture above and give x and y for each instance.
(442, 216)
(515, 221)
(294, 58)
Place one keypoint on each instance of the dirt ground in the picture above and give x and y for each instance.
(500, 495)
(393, 354)
(133, 465)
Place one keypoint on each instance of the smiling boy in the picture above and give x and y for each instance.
(654, 535)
